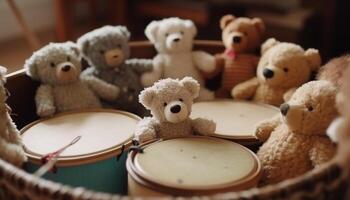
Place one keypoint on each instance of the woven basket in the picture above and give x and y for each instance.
(330, 181)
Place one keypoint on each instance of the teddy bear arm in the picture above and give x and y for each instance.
(322, 151)
(204, 61)
(101, 88)
(202, 126)
(44, 100)
(146, 130)
(266, 127)
(140, 66)
(14, 136)
(12, 153)
(148, 78)
(245, 90)
(288, 94)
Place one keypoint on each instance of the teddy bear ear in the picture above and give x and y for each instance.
(313, 58)
(31, 68)
(124, 31)
(225, 20)
(3, 71)
(259, 25)
(147, 96)
(191, 85)
(268, 44)
(74, 47)
(190, 25)
(151, 31)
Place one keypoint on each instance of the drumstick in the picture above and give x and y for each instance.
(50, 159)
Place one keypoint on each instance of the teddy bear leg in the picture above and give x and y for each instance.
(12, 153)
(205, 95)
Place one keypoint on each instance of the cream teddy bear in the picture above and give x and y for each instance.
(57, 66)
(170, 102)
(11, 149)
(282, 68)
(173, 39)
(297, 142)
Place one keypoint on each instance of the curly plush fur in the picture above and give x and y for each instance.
(57, 66)
(170, 103)
(282, 68)
(10, 142)
(107, 51)
(296, 142)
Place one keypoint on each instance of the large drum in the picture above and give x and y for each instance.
(235, 120)
(92, 161)
(191, 166)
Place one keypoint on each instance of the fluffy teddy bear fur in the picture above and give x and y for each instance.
(173, 39)
(297, 142)
(282, 68)
(107, 51)
(11, 149)
(57, 66)
(241, 37)
(170, 102)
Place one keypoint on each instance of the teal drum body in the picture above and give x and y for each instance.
(96, 161)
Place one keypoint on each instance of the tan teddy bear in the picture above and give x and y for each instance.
(10, 141)
(282, 68)
(241, 37)
(296, 141)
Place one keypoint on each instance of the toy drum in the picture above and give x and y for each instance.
(92, 161)
(191, 166)
(235, 120)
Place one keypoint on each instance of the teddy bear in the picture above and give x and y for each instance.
(57, 66)
(173, 39)
(282, 68)
(10, 140)
(107, 51)
(170, 102)
(296, 141)
(241, 37)
(334, 69)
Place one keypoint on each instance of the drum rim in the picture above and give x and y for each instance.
(250, 179)
(66, 161)
(238, 138)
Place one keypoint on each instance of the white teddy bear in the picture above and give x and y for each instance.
(173, 39)
(170, 103)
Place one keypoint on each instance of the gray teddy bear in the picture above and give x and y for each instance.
(57, 66)
(107, 51)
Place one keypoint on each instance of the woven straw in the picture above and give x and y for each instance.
(331, 181)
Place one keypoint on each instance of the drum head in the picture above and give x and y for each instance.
(234, 119)
(101, 131)
(196, 163)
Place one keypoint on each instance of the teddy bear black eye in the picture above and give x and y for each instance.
(181, 100)
(245, 33)
(102, 52)
(68, 58)
(119, 46)
(285, 69)
(166, 34)
(52, 64)
(181, 32)
(310, 108)
(165, 104)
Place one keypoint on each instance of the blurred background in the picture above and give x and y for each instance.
(29, 24)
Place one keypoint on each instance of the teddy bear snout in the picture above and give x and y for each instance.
(114, 57)
(284, 109)
(268, 73)
(175, 109)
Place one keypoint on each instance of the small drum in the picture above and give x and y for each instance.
(235, 120)
(92, 161)
(191, 166)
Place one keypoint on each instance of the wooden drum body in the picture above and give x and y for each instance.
(235, 120)
(92, 161)
(191, 166)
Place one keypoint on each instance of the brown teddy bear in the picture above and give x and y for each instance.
(282, 68)
(241, 37)
(297, 142)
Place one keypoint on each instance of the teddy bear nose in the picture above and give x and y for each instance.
(236, 39)
(115, 56)
(268, 73)
(176, 39)
(175, 109)
(66, 68)
(284, 109)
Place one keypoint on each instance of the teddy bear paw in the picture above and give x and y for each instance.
(46, 110)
